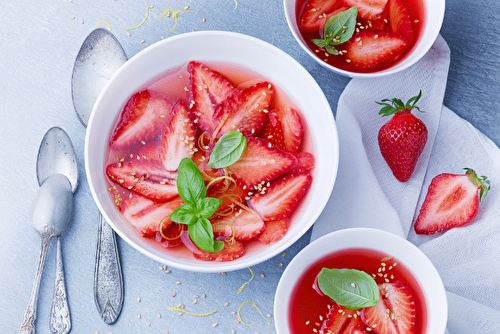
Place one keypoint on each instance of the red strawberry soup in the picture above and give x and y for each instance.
(184, 114)
(383, 32)
(399, 310)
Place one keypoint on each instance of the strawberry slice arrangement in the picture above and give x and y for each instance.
(360, 35)
(224, 163)
(452, 200)
(402, 139)
(365, 303)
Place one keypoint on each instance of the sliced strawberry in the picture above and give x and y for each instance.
(314, 14)
(399, 20)
(273, 130)
(178, 141)
(340, 320)
(143, 118)
(145, 177)
(281, 196)
(207, 88)
(232, 250)
(260, 163)
(241, 224)
(305, 162)
(146, 215)
(452, 200)
(368, 49)
(359, 330)
(275, 231)
(368, 9)
(244, 110)
(395, 311)
(284, 129)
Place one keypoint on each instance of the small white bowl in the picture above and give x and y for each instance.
(238, 50)
(408, 254)
(433, 13)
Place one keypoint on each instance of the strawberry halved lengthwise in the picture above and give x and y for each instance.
(452, 200)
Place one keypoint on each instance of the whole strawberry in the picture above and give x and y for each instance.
(402, 139)
(451, 201)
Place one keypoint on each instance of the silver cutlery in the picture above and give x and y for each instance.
(57, 174)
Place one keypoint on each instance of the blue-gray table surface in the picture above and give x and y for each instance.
(38, 45)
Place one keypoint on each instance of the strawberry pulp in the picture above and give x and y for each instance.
(182, 114)
(307, 305)
(391, 24)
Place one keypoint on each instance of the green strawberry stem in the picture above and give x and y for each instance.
(483, 183)
(393, 106)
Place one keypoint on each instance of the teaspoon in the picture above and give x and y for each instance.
(50, 216)
(100, 56)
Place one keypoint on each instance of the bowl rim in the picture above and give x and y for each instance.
(434, 292)
(437, 12)
(271, 250)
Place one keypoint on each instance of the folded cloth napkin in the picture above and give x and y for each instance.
(366, 194)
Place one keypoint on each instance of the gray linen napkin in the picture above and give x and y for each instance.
(366, 194)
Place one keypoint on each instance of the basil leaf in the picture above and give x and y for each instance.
(190, 183)
(228, 149)
(350, 288)
(202, 234)
(319, 42)
(218, 245)
(207, 206)
(340, 27)
(330, 49)
(184, 214)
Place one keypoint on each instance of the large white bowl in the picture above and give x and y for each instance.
(405, 252)
(246, 52)
(433, 13)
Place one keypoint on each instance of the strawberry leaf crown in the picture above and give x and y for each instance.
(393, 106)
(483, 183)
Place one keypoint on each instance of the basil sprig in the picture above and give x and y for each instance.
(197, 208)
(228, 149)
(350, 288)
(338, 29)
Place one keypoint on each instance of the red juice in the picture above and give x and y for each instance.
(417, 19)
(307, 306)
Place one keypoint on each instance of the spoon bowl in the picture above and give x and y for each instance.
(51, 211)
(56, 155)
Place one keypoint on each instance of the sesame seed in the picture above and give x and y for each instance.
(138, 299)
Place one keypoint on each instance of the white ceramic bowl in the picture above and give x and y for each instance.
(434, 14)
(236, 49)
(408, 254)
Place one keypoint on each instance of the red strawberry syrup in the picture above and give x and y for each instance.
(307, 305)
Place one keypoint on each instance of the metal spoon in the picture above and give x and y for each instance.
(100, 56)
(50, 216)
(56, 155)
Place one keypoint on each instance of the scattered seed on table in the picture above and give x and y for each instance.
(138, 299)
(138, 316)
(158, 315)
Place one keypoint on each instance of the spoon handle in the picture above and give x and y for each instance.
(108, 278)
(28, 325)
(60, 321)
